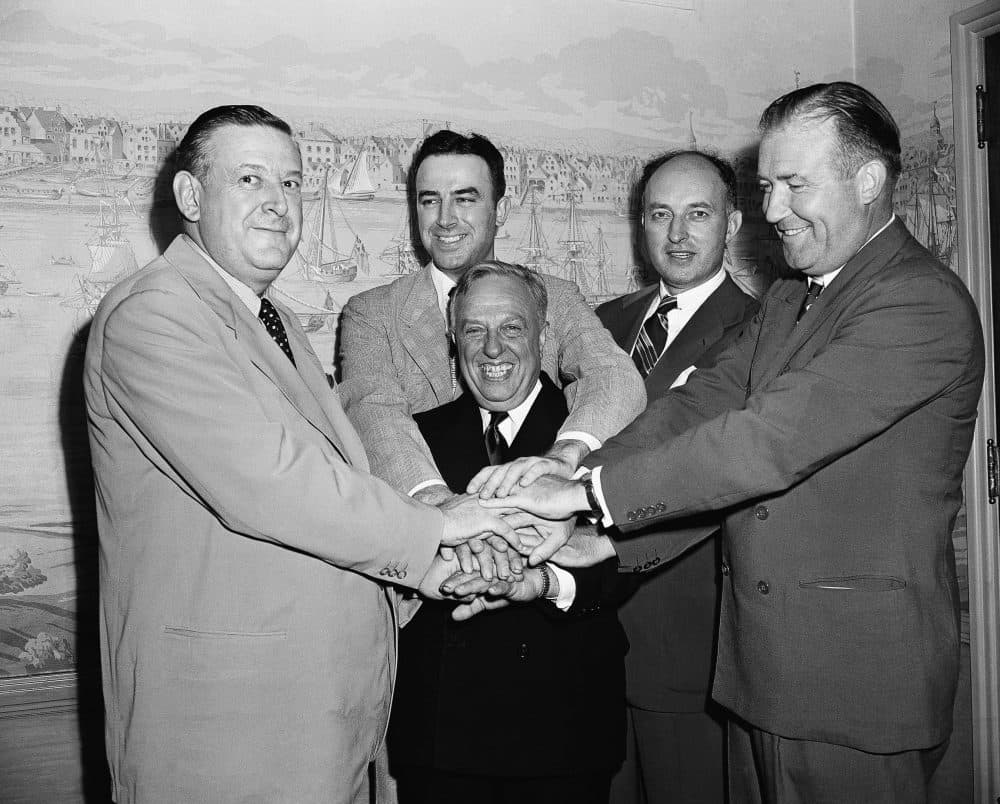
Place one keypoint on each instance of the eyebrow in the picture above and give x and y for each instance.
(661, 205)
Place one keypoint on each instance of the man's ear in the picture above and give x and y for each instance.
(541, 336)
(503, 210)
(187, 195)
(733, 224)
(871, 178)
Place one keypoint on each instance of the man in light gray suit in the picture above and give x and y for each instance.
(247, 639)
(395, 352)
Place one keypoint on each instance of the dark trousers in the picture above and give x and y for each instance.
(425, 786)
(671, 756)
(767, 769)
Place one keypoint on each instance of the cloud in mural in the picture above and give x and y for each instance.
(16, 572)
(625, 78)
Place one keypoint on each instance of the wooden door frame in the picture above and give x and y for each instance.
(968, 30)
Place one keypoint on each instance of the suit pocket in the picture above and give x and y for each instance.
(855, 583)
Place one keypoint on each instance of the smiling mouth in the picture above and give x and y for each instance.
(448, 240)
(680, 255)
(786, 233)
(496, 372)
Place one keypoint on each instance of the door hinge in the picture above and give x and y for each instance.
(991, 472)
(980, 116)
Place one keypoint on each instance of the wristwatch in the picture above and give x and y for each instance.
(592, 501)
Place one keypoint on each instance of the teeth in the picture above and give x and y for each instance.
(496, 371)
(792, 232)
(450, 240)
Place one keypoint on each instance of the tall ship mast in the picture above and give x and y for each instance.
(533, 242)
(585, 263)
(399, 254)
(111, 257)
(321, 260)
(931, 212)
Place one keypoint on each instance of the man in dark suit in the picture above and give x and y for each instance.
(675, 733)
(833, 433)
(551, 682)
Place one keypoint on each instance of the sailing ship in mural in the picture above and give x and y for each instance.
(7, 276)
(112, 258)
(355, 183)
(926, 196)
(533, 243)
(585, 262)
(399, 254)
(318, 252)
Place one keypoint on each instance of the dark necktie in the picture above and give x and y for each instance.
(496, 444)
(269, 316)
(652, 337)
(815, 288)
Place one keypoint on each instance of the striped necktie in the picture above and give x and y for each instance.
(652, 337)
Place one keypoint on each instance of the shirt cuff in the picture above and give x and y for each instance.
(595, 478)
(426, 484)
(567, 587)
(576, 435)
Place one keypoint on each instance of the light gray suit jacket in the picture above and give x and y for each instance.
(396, 362)
(248, 647)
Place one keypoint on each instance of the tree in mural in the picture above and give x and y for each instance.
(46, 652)
(16, 572)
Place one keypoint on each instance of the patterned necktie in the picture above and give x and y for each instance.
(652, 337)
(496, 444)
(269, 316)
(815, 288)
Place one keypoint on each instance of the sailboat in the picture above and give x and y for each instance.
(399, 254)
(111, 258)
(356, 184)
(321, 260)
(533, 242)
(931, 212)
(585, 263)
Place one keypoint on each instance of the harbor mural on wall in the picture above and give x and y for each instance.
(92, 102)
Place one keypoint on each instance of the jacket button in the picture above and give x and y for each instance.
(761, 512)
(631, 516)
(401, 574)
(523, 650)
(383, 572)
(762, 587)
(725, 568)
(661, 507)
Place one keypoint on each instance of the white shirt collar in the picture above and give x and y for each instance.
(693, 298)
(443, 284)
(243, 293)
(510, 426)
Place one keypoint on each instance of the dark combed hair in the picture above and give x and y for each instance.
(445, 142)
(481, 270)
(722, 166)
(865, 128)
(193, 154)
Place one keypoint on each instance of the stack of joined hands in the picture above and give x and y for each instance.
(537, 502)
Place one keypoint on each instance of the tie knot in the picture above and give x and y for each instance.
(497, 416)
(667, 303)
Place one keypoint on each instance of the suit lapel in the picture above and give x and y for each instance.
(425, 337)
(781, 338)
(261, 350)
(634, 313)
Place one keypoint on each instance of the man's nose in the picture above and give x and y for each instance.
(446, 214)
(492, 347)
(276, 201)
(774, 205)
(678, 230)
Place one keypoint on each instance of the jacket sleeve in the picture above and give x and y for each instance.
(911, 337)
(375, 398)
(187, 407)
(603, 390)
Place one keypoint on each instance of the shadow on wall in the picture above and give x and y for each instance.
(164, 225)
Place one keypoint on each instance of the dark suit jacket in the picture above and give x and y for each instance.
(837, 447)
(670, 615)
(554, 681)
